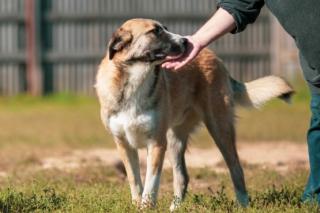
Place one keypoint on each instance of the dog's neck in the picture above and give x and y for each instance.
(138, 82)
(139, 88)
(134, 84)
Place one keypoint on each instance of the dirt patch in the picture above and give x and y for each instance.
(280, 156)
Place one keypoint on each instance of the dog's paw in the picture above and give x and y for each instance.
(175, 204)
(136, 202)
(147, 203)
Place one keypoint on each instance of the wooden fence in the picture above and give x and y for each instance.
(12, 42)
(73, 36)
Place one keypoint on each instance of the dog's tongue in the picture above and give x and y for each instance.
(173, 57)
(160, 55)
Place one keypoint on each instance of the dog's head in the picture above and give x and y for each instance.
(145, 40)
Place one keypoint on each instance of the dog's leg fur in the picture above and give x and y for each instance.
(221, 127)
(177, 141)
(130, 160)
(156, 151)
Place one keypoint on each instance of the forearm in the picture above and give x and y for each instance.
(219, 24)
(232, 16)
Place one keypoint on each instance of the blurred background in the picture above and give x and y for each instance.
(54, 46)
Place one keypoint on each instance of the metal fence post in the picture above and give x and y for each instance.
(33, 47)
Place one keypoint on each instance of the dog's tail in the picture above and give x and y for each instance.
(258, 92)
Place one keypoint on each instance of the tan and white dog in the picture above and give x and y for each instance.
(144, 105)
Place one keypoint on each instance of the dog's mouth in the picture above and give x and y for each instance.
(177, 51)
(153, 56)
(161, 55)
(172, 54)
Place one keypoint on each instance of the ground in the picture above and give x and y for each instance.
(265, 155)
(56, 157)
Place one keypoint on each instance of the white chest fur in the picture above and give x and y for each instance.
(136, 128)
(135, 121)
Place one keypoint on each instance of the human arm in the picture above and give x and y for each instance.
(219, 24)
(230, 17)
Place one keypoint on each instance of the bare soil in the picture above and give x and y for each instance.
(279, 156)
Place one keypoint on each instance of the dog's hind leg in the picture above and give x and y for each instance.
(221, 127)
(156, 151)
(130, 160)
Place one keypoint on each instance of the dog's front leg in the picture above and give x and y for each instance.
(155, 157)
(130, 160)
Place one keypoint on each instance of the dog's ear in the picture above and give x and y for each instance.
(120, 39)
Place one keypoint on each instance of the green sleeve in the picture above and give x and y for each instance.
(244, 12)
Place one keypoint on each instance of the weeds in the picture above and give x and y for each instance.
(64, 122)
(46, 200)
(59, 191)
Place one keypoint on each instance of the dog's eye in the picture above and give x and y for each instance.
(157, 30)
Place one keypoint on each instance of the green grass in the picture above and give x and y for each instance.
(70, 121)
(58, 120)
(32, 128)
(277, 121)
(98, 189)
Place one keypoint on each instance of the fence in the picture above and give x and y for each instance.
(12, 45)
(73, 35)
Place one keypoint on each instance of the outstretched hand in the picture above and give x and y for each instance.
(191, 52)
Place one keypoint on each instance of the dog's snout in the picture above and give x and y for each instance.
(179, 46)
(185, 42)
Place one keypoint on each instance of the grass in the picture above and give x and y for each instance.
(70, 121)
(33, 128)
(278, 121)
(97, 189)
(52, 121)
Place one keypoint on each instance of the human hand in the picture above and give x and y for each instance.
(193, 49)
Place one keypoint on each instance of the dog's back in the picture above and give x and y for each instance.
(206, 82)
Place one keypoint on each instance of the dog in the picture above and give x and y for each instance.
(144, 105)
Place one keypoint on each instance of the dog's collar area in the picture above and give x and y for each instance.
(156, 72)
(148, 58)
(156, 77)
(142, 59)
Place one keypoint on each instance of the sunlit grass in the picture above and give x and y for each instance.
(66, 122)
(98, 189)
(73, 121)
(277, 121)
(59, 120)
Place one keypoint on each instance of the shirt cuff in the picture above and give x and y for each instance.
(239, 26)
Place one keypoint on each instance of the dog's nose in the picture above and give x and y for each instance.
(185, 42)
